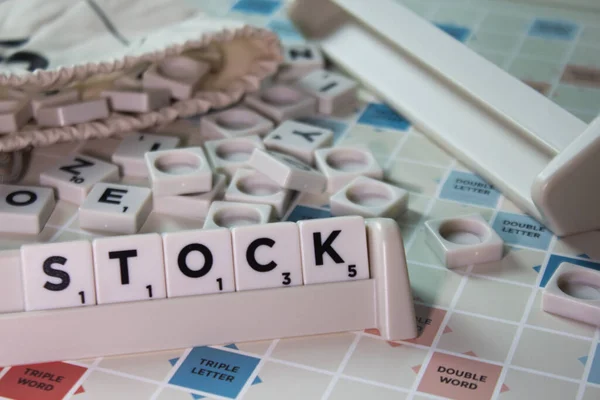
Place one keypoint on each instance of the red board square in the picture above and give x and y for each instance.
(459, 378)
(429, 320)
(48, 381)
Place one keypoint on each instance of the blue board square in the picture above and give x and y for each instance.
(458, 32)
(554, 262)
(466, 187)
(553, 29)
(285, 29)
(215, 371)
(594, 376)
(522, 230)
(260, 7)
(382, 116)
(301, 213)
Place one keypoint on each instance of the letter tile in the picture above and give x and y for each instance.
(267, 256)
(58, 275)
(115, 208)
(74, 176)
(129, 268)
(25, 209)
(198, 262)
(334, 249)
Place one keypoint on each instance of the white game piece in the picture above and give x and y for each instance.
(334, 92)
(267, 256)
(342, 164)
(14, 113)
(299, 60)
(74, 176)
(25, 209)
(115, 208)
(199, 262)
(193, 205)
(461, 241)
(234, 122)
(180, 74)
(299, 140)
(137, 100)
(54, 98)
(334, 249)
(179, 171)
(369, 198)
(11, 282)
(73, 113)
(130, 153)
(288, 172)
(573, 292)
(227, 155)
(228, 214)
(250, 186)
(58, 275)
(129, 268)
(281, 102)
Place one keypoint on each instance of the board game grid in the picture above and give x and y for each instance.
(482, 331)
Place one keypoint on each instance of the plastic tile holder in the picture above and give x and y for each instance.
(538, 154)
(384, 302)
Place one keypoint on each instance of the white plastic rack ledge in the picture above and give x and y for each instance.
(384, 302)
(540, 156)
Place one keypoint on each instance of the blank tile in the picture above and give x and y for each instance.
(267, 256)
(73, 113)
(198, 262)
(334, 249)
(129, 268)
(58, 275)
(25, 209)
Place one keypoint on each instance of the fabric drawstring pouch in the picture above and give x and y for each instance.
(73, 52)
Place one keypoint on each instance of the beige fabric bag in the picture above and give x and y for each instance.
(89, 43)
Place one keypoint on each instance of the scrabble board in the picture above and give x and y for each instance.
(483, 334)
